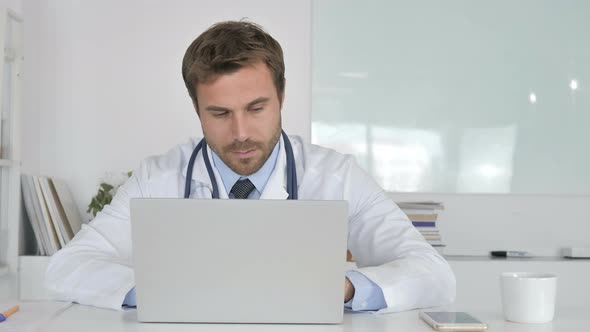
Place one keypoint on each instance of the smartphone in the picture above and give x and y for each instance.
(452, 321)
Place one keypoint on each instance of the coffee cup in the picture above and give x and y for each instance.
(528, 297)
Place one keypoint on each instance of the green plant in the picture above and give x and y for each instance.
(104, 196)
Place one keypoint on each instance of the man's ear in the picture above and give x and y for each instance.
(282, 100)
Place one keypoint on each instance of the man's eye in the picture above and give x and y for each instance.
(219, 114)
(257, 109)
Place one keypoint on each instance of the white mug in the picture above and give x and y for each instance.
(528, 297)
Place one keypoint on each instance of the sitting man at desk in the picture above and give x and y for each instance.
(234, 73)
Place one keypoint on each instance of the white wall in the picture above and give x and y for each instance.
(14, 5)
(30, 119)
(104, 87)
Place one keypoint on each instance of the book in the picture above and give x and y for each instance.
(422, 217)
(32, 215)
(426, 205)
(37, 212)
(56, 211)
(51, 210)
(428, 232)
(54, 240)
(428, 229)
(70, 209)
(53, 216)
(419, 211)
(424, 223)
(432, 236)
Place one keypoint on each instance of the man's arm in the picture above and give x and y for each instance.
(390, 252)
(130, 299)
(95, 267)
(348, 290)
(361, 294)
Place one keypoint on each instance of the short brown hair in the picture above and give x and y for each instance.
(228, 46)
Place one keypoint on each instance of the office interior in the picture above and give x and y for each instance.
(482, 106)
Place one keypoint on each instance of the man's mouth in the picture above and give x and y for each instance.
(244, 153)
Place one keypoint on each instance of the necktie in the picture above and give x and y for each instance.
(242, 188)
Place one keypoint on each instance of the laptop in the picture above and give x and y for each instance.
(239, 261)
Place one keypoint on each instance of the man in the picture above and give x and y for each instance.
(234, 73)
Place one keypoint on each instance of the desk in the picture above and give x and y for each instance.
(82, 318)
(477, 293)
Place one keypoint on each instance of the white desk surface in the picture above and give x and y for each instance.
(83, 318)
(477, 293)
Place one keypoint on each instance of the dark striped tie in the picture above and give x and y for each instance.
(242, 189)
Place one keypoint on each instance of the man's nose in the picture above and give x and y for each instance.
(240, 127)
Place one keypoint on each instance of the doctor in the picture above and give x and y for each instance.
(234, 73)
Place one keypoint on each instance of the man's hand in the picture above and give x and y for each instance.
(348, 290)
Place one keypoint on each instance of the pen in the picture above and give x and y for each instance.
(8, 312)
(510, 253)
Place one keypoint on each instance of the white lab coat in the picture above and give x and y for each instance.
(95, 268)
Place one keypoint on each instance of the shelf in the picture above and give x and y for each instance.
(513, 259)
(31, 275)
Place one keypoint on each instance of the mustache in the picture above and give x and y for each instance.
(242, 146)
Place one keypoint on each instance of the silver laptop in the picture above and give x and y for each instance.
(239, 261)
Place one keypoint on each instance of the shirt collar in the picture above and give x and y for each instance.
(259, 179)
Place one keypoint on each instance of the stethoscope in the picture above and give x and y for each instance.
(291, 172)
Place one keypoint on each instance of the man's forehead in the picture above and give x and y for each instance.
(237, 89)
(257, 67)
(225, 107)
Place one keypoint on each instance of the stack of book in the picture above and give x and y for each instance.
(423, 216)
(51, 211)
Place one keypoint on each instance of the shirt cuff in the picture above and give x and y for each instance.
(367, 295)
(130, 298)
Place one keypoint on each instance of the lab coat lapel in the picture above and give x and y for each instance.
(200, 177)
(276, 186)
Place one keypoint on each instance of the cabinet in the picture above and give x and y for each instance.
(11, 54)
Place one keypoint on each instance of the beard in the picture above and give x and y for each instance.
(250, 165)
